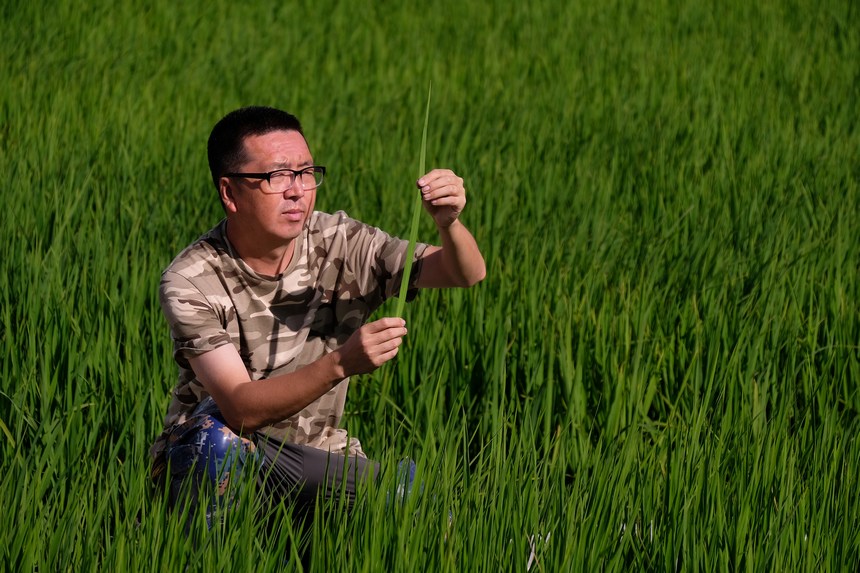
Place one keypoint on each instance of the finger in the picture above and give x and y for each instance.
(375, 339)
(391, 334)
(448, 202)
(434, 175)
(446, 191)
(384, 324)
(440, 182)
(388, 345)
(383, 358)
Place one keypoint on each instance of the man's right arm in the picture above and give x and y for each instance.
(248, 405)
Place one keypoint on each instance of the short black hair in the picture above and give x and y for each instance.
(227, 141)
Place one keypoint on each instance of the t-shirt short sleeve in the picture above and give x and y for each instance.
(195, 323)
(377, 259)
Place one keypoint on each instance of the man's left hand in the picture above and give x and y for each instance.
(444, 196)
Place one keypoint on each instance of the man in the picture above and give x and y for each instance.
(267, 312)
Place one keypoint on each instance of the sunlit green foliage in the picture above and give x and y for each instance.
(660, 371)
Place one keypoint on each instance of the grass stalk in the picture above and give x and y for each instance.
(660, 369)
(416, 213)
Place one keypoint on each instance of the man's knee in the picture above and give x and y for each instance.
(302, 472)
(205, 457)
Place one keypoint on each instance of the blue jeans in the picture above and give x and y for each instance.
(204, 454)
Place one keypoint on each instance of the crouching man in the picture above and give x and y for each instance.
(268, 313)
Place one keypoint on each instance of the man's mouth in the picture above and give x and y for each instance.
(294, 214)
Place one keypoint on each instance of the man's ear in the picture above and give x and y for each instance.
(225, 189)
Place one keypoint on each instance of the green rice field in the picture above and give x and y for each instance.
(661, 371)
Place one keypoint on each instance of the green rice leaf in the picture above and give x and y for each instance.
(416, 213)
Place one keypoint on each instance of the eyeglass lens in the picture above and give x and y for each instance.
(283, 180)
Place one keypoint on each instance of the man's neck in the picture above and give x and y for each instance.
(265, 261)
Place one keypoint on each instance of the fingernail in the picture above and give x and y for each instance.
(421, 183)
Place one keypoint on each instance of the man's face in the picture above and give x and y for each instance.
(270, 219)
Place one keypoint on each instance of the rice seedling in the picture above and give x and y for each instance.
(416, 213)
(659, 372)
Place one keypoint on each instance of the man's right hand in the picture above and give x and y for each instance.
(370, 346)
(249, 405)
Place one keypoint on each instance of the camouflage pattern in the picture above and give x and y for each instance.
(340, 272)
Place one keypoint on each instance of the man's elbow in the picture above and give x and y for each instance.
(475, 275)
(241, 419)
(242, 423)
(480, 275)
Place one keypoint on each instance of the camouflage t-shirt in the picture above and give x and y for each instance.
(340, 272)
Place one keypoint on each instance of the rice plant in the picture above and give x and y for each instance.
(659, 372)
(416, 213)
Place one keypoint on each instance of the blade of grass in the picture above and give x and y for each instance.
(416, 212)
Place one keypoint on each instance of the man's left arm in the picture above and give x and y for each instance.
(458, 262)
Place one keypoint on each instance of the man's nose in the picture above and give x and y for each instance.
(295, 190)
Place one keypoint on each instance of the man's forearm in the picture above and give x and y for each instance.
(461, 259)
(248, 405)
(254, 404)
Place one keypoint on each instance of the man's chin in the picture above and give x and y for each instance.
(292, 229)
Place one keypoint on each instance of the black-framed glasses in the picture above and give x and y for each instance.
(282, 180)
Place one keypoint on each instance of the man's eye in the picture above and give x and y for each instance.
(278, 175)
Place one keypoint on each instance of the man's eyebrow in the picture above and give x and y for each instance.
(287, 165)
